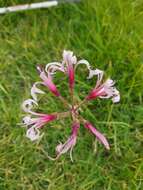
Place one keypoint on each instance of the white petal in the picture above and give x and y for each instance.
(67, 54)
(105, 97)
(97, 72)
(28, 105)
(91, 72)
(27, 120)
(116, 97)
(68, 57)
(33, 134)
(53, 67)
(84, 62)
(35, 90)
(63, 148)
(109, 82)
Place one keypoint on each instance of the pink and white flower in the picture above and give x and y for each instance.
(34, 121)
(105, 90)
(40, 120)
(69, 144)
(47, 81)
(99, 136)
(37, 121)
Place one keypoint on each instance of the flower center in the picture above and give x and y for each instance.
(74, 111)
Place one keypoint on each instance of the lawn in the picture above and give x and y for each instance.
(109, 34)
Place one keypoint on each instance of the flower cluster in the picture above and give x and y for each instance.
(35, 121)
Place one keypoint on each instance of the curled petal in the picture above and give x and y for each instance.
(53, 67)
(84, 62)
(28, 105)
(116, 97)
(99, 136)
(27, 120)
(109, 83)
(69, 144)
(63, 148)
(99, 74)
(110, 91)
(33, 134)
(47, 81)
(39, 121)
(35, 90)
(105, 90)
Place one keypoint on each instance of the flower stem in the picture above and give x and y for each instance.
(72, 96)
(66, 104)
(80, 104)
(82, 119)
(63, 114)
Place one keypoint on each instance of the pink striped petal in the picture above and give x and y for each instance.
(96, 92)
(47, 80)
(105, 90)
(69, 144)
(99, 136)
(35, 90)
(39, 121)
(71, 76)
(70, 61)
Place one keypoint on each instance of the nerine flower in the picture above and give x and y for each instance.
(69, 144)
(47, 81)
(105, 90)
(34, 121)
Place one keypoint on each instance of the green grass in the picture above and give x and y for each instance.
(110, 35)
